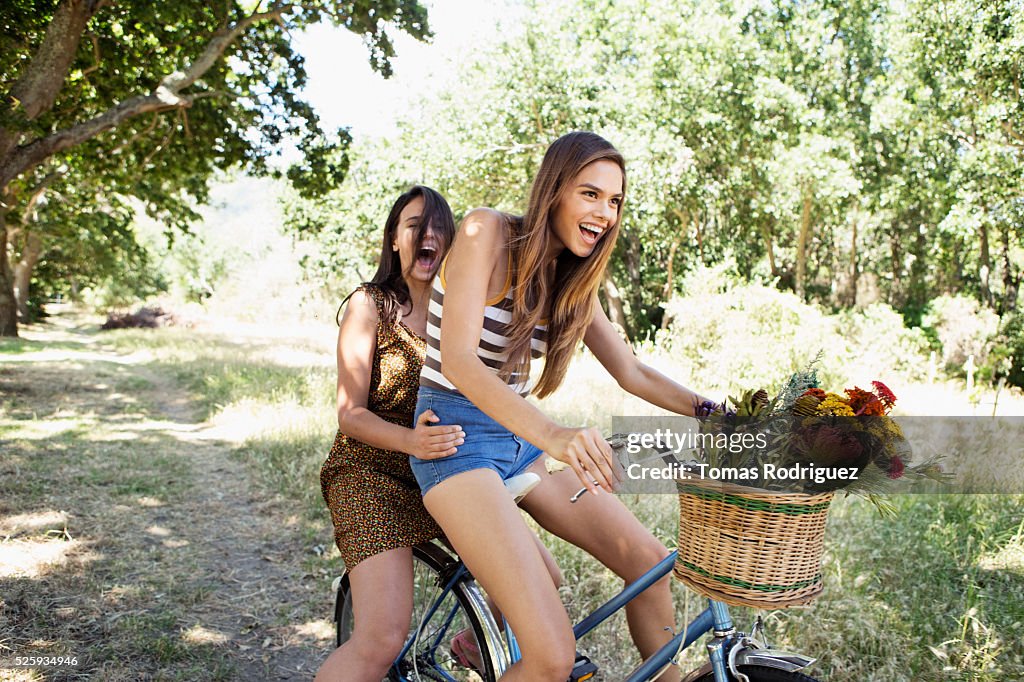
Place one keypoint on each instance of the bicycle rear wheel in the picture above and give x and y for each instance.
(435, 620)
(760, 673)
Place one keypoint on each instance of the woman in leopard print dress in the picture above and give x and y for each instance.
(367, 482)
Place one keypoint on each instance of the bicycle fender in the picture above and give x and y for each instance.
(769, 658)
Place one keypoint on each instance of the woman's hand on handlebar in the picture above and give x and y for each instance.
(433, 442)
(589, 455)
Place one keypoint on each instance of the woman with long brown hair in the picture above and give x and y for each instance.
(514, 289)
(366, 481)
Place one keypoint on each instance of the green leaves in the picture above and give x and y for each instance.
(223, 102)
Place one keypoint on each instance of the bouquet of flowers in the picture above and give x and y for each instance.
(809, 440)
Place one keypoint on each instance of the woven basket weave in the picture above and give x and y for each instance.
(747, 547)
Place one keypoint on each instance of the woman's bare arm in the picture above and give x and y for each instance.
(479, 250)
(357, 343)
(632, 375)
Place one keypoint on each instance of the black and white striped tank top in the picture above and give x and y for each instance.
(493, 339)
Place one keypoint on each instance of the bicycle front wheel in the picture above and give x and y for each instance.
(760, 673)
(437, 617)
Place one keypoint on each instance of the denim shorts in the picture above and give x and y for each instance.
(488, 444)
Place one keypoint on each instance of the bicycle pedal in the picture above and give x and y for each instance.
(582, 669)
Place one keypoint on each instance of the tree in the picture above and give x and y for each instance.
(825, 147)
(147, 100)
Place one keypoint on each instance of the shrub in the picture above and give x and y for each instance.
(882, 346)
(964, 328)
(735, 334)
(143, 318)
(1007, 356)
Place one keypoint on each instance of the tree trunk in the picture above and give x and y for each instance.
(1011, 279)
(854, 270)
(37, 88)
(633, 292)
(23, 272)
(616, 311)
(684, 226)
(770, 248)
(896, 261)
(700, 240)
(985, 264)
(801, 245)
(8, 305)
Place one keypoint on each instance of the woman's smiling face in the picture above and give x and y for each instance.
(418, 263)
(589, 208)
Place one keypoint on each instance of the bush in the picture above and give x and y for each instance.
(737, 335)
(882, 345)
(1007, 356)
(964, 328)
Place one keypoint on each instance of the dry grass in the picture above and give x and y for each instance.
(935, 594)
(128, 535)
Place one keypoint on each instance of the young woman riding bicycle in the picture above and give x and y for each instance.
(513, 289)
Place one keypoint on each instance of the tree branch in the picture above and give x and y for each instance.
(166, 96)
(31, 155)
(156, 150)
(175, 82)
(95, 54)
(1012, 134)
(37, 88)
(38, 190)
(124, 145)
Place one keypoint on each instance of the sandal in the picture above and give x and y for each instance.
(465, 650)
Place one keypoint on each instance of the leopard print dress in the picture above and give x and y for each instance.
(374, 499)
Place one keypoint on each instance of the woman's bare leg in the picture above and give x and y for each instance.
(485, 527)
(379, 634)
(602, 526)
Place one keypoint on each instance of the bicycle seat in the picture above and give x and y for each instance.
(519, 486)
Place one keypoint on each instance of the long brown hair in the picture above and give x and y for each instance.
(567, 299)
(390, 278)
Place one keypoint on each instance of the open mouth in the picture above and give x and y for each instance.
(426, 257)
(590, 233)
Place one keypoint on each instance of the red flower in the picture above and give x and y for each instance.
(887, 397)
(895, 468)
(816, 392)
(864, 403)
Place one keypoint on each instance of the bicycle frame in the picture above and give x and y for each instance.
(715, 618)
(726, 649)
(458, 572)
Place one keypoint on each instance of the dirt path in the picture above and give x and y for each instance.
(130, 538)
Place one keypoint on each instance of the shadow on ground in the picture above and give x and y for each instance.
(130, 539)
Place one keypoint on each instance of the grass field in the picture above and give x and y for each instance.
(935, 593)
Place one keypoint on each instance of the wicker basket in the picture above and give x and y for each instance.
(750, 547)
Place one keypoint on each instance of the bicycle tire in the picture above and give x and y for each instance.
(761, 673)
(430, 659)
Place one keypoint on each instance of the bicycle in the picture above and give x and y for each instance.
(447, 600)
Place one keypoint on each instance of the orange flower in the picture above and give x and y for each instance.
(816, 392)
(865, 403)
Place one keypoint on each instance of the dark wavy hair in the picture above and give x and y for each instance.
(390, 278)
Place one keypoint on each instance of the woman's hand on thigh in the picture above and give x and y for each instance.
(433, 442)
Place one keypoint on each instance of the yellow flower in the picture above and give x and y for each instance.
(885, 428)
(835, 406)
